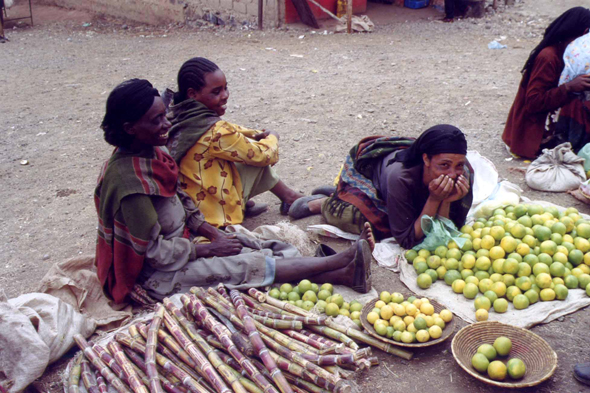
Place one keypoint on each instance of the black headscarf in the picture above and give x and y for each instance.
(443, 138)
(127, 103)
(571, 24)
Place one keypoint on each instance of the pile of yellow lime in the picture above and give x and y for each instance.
(485, 360)
(519, 254)
(407, 320)
(308, 295)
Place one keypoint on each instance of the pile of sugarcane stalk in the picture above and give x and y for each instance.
(227, 342)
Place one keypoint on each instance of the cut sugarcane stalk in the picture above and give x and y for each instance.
(301, 383)
(110, 361)
(150, 350)
(262, 298)
(215, 360)
(137, 360)
(100, 382)
(74, 377)
(135, 334)
(188, 382)
(249, 385)
(336, 335)
(308, 340)
(285, 341)
(100, 365)
(223, 335)
(223, 292)
(305, 320)
(321, 339)
(210, 374)
(295, 369)
(258, 344)
(278, 323)
(297, 358)
(241, 341)
(132, 377)
(88, 376)
(297, 389)
(365, 338)
(168, 347)
(346, 374)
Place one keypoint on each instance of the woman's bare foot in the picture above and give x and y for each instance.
(367, 234)
(284, 193)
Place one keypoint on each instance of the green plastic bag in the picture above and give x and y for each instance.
(439, 231)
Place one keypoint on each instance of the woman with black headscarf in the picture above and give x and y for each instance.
(539, 93)
(392, 182)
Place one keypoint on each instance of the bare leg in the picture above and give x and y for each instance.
(336, 269)
(295, 269)
(315, 206)
(284, 193)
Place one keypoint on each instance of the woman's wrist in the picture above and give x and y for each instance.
(201, 250)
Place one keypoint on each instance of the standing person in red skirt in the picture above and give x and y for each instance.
(538, 92)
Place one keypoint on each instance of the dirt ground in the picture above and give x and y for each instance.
(321, 92)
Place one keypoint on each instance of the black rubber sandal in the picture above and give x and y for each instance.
(256, 210)
(362, 281)
(300, 208)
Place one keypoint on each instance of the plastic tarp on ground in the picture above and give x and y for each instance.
(390, 255)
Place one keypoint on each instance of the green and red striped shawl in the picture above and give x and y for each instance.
(120, 253)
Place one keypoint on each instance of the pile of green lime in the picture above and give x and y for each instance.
(519, 254)
(485, 360)
(308, 295)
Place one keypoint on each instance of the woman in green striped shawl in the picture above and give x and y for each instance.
(148, 228)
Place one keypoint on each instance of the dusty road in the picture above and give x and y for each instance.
(322, 93)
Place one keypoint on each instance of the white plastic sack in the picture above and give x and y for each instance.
(504, 194)
(486, 176)
(36, 329)
(585, 154)
(556, 170)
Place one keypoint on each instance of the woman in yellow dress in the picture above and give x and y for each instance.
(222, 165)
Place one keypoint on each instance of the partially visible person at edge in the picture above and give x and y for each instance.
(573, 122)
(222, 165)
(392, 182)
(538, 93)
(150, 231)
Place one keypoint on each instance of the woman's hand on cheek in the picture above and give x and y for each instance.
(440, 188)
(460, 189)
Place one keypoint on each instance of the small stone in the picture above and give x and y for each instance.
(45, 257)
(24, 162)
(561, 319)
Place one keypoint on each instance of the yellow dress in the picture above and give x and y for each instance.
(208, 173)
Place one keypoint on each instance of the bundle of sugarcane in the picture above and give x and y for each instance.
(220, 342)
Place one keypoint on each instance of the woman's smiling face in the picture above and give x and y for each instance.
(152, 129)
(214, 94)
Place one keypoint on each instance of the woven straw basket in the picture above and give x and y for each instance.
(537, 355)
(446, 333)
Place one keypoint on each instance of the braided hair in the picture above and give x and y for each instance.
(571, 24)
(127, 103)
(192, 75)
